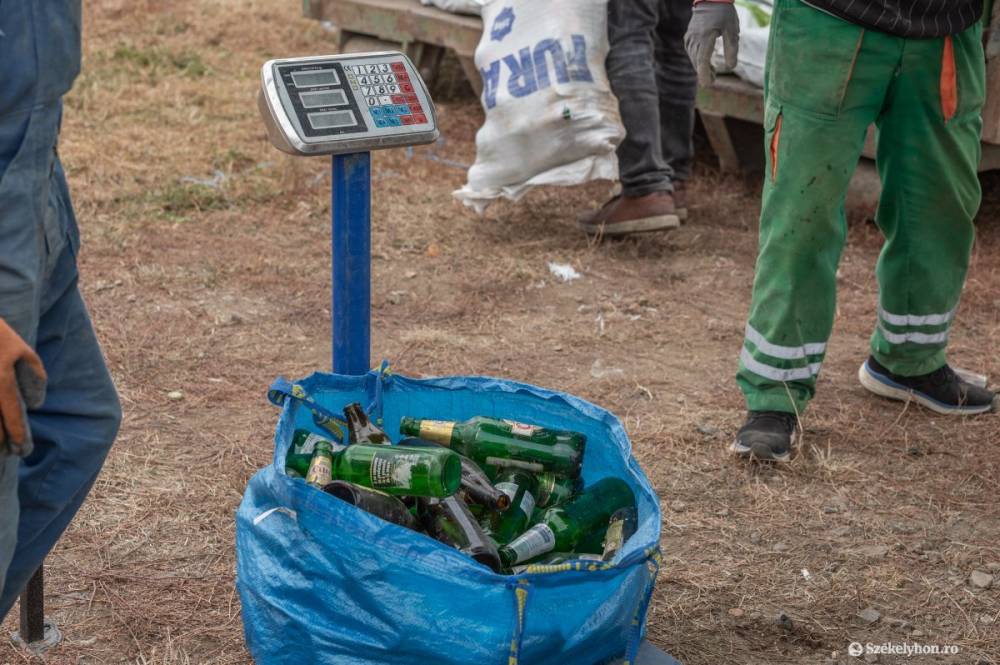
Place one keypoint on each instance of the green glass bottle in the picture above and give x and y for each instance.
(621, 527)
(449, 521)
(399, 471)
(475, 484)
(562, 527)
(321, 466)
(297, 466)
(520, 487)
(304, 442)
(489, 441)
(300, 453)
(379, 504)
(360, 428)
(556, 490)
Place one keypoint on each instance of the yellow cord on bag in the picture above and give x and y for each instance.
(521, 593)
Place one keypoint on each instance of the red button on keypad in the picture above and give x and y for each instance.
(416, 108)
(406, 87)
(419, 119)
(398, 67)
(411, 99)
(408, 119)
(399, 99)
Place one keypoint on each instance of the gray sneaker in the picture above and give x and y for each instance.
(767, 436)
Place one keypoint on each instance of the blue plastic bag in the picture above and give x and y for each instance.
(321, 581)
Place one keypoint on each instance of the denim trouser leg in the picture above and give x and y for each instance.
(654, 81)
(72, 432)
(39, 298)
(677, 84)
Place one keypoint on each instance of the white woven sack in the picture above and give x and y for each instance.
(551, 118)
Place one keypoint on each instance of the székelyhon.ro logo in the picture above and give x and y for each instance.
(502, 24)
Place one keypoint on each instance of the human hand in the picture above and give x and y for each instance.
(710, 20)
(22, 385)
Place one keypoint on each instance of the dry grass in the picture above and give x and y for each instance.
(216, 290)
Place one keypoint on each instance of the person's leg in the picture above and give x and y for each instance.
(74, 428)
(646, 203)
(27, 141)
(827, 80)
(928, 158)
(677, 85)
(632, 26)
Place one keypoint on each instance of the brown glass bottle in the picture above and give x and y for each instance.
(360, 428)
(379, 504)
(449, 521)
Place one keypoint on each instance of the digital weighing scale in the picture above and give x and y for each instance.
(346, 106)
(340, 104)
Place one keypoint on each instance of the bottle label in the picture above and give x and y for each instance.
(320, 471)
(510, 489)
(527, 504)
(613, 538)
(536, 541)
(438, 431)
(522, 429)
(505, 463)
(393, 471)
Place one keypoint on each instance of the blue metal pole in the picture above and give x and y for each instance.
(352, 284)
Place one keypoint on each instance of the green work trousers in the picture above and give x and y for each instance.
(828, 80)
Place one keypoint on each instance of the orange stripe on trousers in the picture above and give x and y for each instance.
(949, 81)
(775, 144)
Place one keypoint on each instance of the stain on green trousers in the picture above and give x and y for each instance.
(828, 80)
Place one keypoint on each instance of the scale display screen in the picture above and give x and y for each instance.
(312, 100)
(331, 119)
(316, 78)
(345, 103)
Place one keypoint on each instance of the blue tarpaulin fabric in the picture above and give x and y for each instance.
(321, 581)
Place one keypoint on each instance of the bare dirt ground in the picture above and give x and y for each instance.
(215, 290)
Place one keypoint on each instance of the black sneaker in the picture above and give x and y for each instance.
(942, 390)
(767, 435)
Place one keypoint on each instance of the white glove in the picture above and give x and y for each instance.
(709, 21)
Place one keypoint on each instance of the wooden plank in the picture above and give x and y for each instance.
(733, 98)
(403, 21)
(722, 141)
(472, 73)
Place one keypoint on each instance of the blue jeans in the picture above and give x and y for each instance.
(40, 299)
(656, 85)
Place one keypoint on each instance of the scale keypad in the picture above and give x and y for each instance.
(388, 92)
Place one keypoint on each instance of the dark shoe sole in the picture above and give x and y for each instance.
(761, 452)
(884, 386)
(628, 227)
